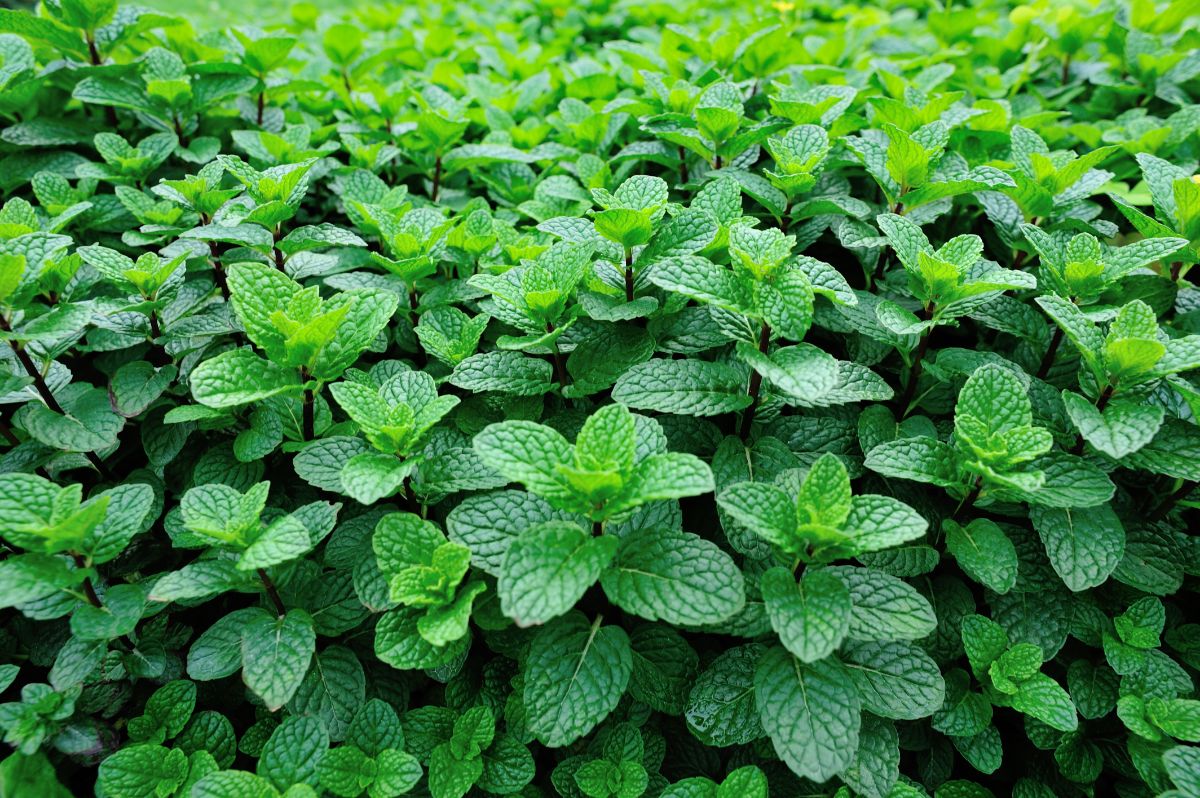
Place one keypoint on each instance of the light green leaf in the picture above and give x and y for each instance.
(504, 372)
(548, 568)
(528, 453)
(276, 653)
(1084, 546)
(575, 674)
(674, 576)
(238, 377)
(282, 541)
(984, 552)
(895, 680)
(812, 616)
(919, 459)
(884, 607)
(1041, 697)
(669, 475)
(682, 387)
(399, 643)
(810, 711)
(1123, 427)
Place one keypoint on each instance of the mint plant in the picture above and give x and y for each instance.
(605, 401)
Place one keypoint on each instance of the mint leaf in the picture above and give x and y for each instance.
(1084, 546)
(721, 707)
(276, 653)
(574, 676)
(984, 552)
(1122, 429)
(895, 680)
(682, 387)
(673, 576)
(811, 616)
(884, 607)
(816, 726)
(547, 569)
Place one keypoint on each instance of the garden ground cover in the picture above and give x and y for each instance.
(607, 399)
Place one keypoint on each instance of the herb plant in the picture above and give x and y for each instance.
(600, 400)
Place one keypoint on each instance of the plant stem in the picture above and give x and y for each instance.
(155, 330)
(308, 413)
(560, 369)
(218, 270)
(1066, 70)
(276, 252)
(683, 170)
(437, 178)
(755, 386)
(597, 528)
(914, 370)
(1101, 403)
(414, 300)
(89, 592)
(261, 107)
(272, 591)
(881, 265)
(32, 370)
(1169, 503)
(628, 274)
(414, 507)
(1051, 351)
(6, 431)
(43, 389)
(93, 53)
(90, 595)
(969, 500)
(39, 381)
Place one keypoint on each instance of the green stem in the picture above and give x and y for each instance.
(93, 52)
(969, 500)
(272, 591)
(560, 369)
(39, 382)
(628, 274)
(755, 387)
(437, 178)
(1169, 503)
(308, 412)
(1051, 351)
(914, 370)
(1101, 403)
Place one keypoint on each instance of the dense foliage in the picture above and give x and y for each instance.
(615, 399)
